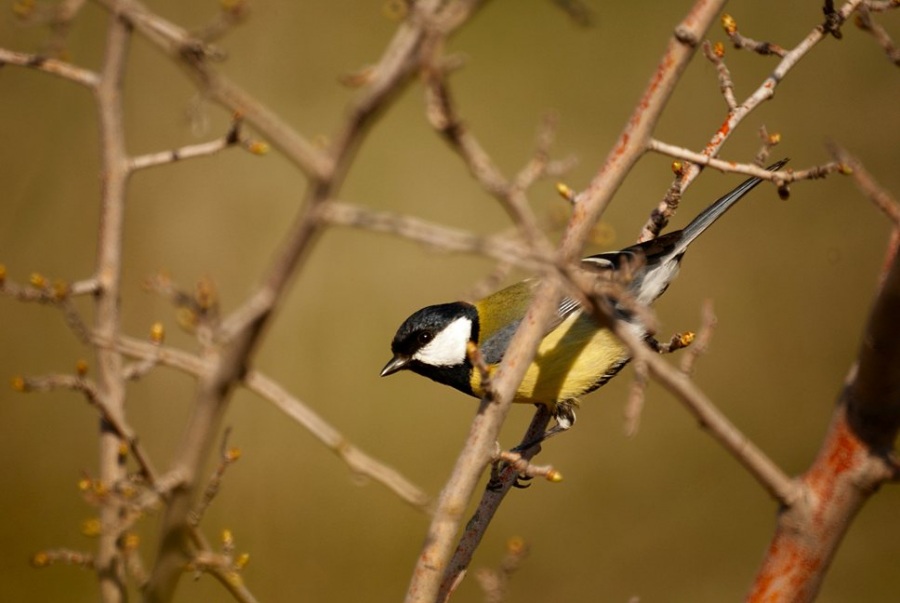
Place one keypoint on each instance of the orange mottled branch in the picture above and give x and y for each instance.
(855, 459)
(839, 482)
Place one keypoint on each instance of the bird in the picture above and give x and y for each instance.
(577, 355)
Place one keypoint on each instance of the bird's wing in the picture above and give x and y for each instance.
(501, 313)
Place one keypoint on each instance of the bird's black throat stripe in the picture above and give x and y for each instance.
(456, 376)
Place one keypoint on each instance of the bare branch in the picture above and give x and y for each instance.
(666, 208)
(769, 141)
(704, 336)
(227, 457)
(744, 43)
(193, 54)
(865, 22)
(715, 55)
(494, 581)
(58, 293)
(231, 14)
(63, 556)
(634, 405)
(59, 68)
(233, 137)
(442, 114)
(435, 558)
(491, 499)
(108, 273)
(114, 420)
(436, 236)
(224, 566)
(637, 134)
(580, 13)
(781, 487)
(359, 462)
(867, 184)
(58, 16)
(526, 469)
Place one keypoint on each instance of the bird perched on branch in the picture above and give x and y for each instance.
(578, 354)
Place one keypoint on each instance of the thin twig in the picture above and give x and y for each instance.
(490, 502)
(230, 14)
(57, 16)
(56, 67)
(358, 461)
(57, 294)
(441, 111)
(93, 395)
(769, 141)
(227, 457)
(633, 141)
(715, 54)
(526, 468)
(232, 137)
(634, 404)
(703, 339)
(744, 43)
(666, 209)
(501, 247)
(494, 582)
(193, 53)
(63, 556)
(867, 184)
(262, 385)
(779, 177)
(779, 485)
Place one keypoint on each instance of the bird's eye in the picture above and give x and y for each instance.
(424, 337)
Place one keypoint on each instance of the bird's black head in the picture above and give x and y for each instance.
(432, 342)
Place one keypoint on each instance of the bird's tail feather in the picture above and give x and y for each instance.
(714, 211)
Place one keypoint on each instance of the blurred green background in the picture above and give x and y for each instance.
(666, 515)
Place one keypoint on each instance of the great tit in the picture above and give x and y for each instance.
(577, 355)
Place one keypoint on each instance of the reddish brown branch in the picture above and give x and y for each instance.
(855, 459)
(635, 138)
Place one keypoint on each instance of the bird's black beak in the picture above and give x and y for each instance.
(397, 363)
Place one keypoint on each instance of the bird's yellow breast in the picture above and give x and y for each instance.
(570, 361)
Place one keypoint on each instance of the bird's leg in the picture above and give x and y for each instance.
(494, 483)
(564, 413)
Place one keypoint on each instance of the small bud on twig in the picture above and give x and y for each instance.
(37, 280)
(91, 527)
(157, 332)
(565, 192)
(729, 24)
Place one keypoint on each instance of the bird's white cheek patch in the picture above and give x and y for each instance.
(448, 348)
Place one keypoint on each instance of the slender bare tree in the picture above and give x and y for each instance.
(816, 508)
